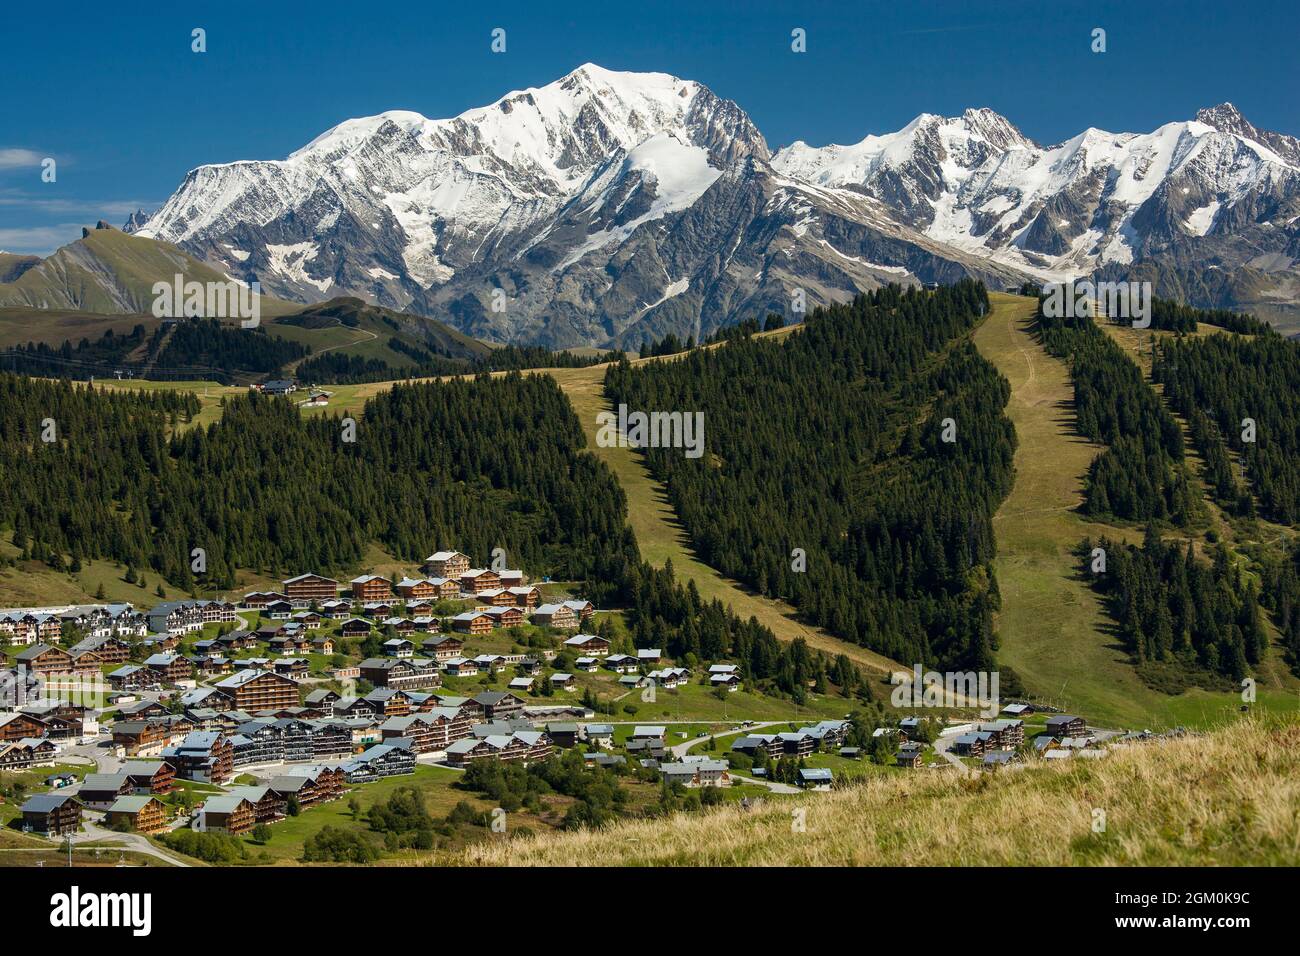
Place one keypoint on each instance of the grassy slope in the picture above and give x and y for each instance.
(1225, 799)
(109, 271)
(1052, 627)
(661, 537)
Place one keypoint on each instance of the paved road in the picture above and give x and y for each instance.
(130, 841)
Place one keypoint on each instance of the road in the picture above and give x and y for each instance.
(679, 751)
(129, 841)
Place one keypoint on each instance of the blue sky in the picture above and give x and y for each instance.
(119, 100)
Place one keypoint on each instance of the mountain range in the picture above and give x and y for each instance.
(608, 208)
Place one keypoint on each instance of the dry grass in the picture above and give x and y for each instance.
(1230, 798)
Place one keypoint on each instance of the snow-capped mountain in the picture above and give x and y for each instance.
(612, 207)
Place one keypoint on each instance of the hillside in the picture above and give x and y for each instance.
(1224, 799)
(108, 271)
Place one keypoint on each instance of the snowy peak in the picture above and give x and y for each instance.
(611, 205)
(1228, 119)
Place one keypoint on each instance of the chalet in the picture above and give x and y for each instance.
(110, 650)
(227, 813)
(399, 647)
(429, 731)
(522, 685)
(649, 655)
(505, 616)
(479, 579)
(591, 644)
(257, 600)
(44, 659)
(170, 668)
(254, 689)
(563, 734)
(389, 702)
(99, 791)
(559, 616)
(446, 564)
(358, 708)
(490, 662)
(973, 744)
(150, 775)
(309, 620)
(583, 609)
(337, 610)
(356, 627)
(600, 735)
(498, 705)
(371, 587)
(512, 578)
(323, 699)
(382, 760)
(144, 738)
(522, 745)
(401, 673)
(268, 806)
(670, 677)
(633, 681)
(15, 727)
(1066, 725)
(1018, 710)
(563, 681)
(278, 386)
(730, 681)
(524, 595)
(815, 778)
(141, 710)
(1006, 734)
(204, 756)
(142, 813)
(26, 753)
(309, 786)
(308, 588)
(134, 677)
(586, 664)
(495, 597)
(54, 814)
(294, 667)
(649, 732)
(278, 610)
(426, 624)
(472, 622)
(998, 758)
(622, 664)
(447, 589)
(443, 647)
(410, 588)
(175, 617)
(909, 755)
(697, 773)
(322, 645)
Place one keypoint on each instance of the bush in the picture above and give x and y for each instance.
(209, 847)
(331, 844)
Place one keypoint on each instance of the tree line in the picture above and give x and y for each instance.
(1184, 621)
(1140, 476)
(852, 469)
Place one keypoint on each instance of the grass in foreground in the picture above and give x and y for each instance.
(1229, 798)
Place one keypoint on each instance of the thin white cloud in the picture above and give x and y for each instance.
(19, 158)
(39, 240)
